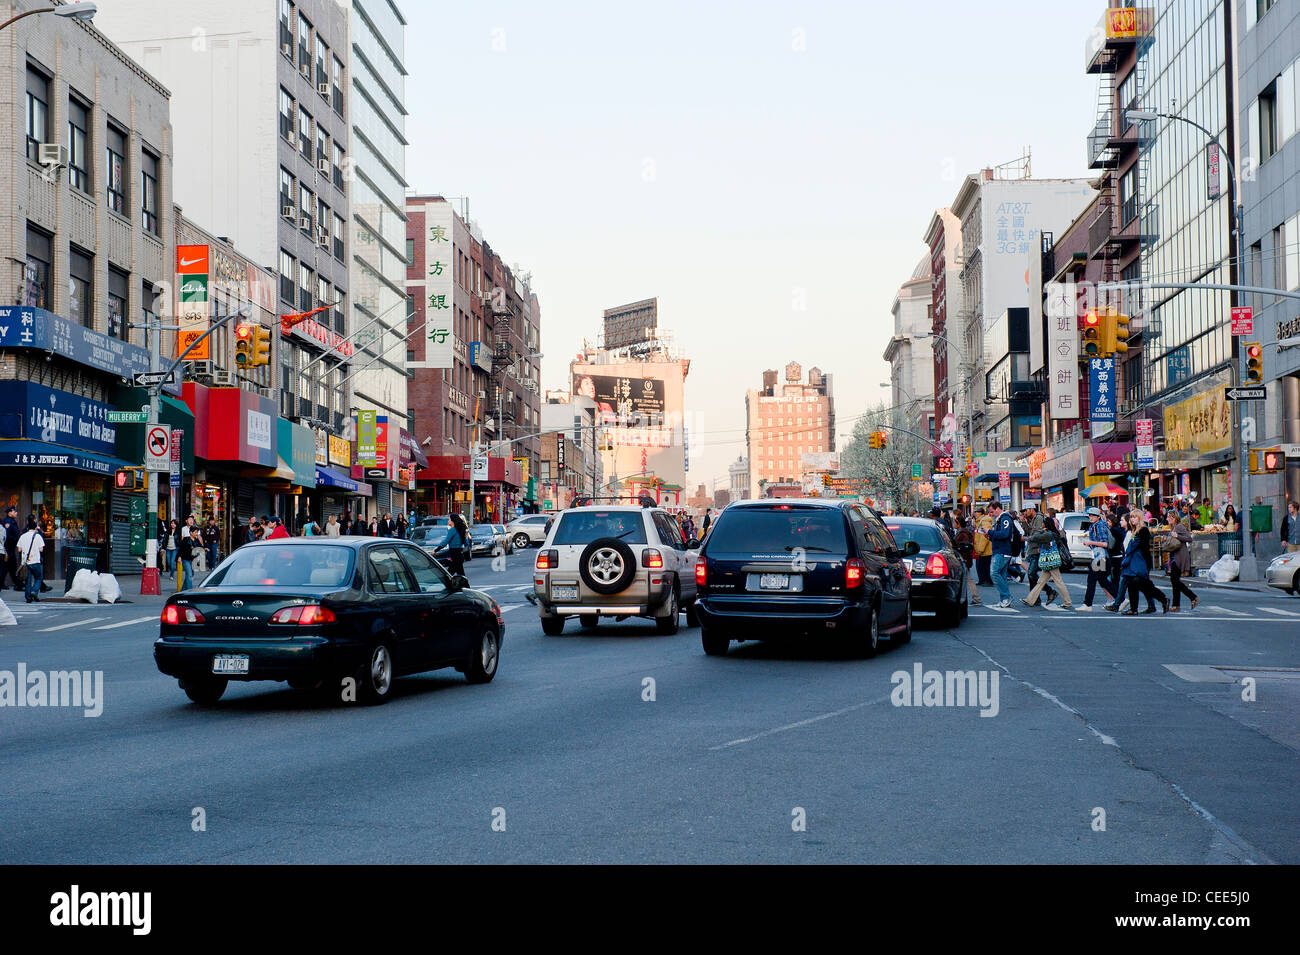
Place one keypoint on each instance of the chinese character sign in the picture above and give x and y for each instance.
(1101, 388)
(439, 307)
(1062, 351)
(367, 438)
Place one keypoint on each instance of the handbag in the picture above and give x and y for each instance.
(1049, 558)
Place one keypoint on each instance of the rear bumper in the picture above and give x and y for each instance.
(303, 657)
(747, 620)
(932, 595)
(640, 599)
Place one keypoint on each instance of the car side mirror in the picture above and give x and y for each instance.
(693, 543)
(461, 582)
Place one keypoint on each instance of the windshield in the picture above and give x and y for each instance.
(583, 527)
(927, 537)
(324, 565)
(1074, 522)
(761, 530)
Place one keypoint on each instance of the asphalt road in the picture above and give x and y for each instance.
(1139, 722)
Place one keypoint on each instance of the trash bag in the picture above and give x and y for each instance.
(85, 586)
(7, 618)
(110, 591)
(1224, 569)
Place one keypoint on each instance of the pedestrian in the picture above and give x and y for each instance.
(309, 527)
(1136, 567)
(212, 539)
(1099, 543)
(1019, 564)
(254, 530)
(278, 530)
(1036, 536)
(1291, 527)
(29, 548)
(185, 567)
(1047, 561)
(332, 527)
(1179, 561)
(373, 530)
(10, 569)
(457, 541)
(966, 548)
(170, 544)
(1001, 536)
(983, 547)
(402, 526)
(383, 529)
(1205, 513)
(708, 520)
(1230, 517)
(345, 523)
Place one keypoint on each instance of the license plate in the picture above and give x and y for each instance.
(230, 663)
(561, 592)
(774, 582)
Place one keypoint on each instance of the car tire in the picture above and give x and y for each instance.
(608, 553)
(965, 601)
(522, 541)
(869, 642)
(552, 626)
(1295, 583)
(204, 690)
(715, 644)
(589, 621)
(375, 676)
(670, 624)
(482, 664)
(692, 615)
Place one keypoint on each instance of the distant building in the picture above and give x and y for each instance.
(738, 473)
(721, 498)
(784, 421)
(910, 352)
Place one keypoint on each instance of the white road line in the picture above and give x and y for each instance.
(509, 607)
(75, 623)
(801, 723)
(1235, 613)
(125, 623)
(1280, 613)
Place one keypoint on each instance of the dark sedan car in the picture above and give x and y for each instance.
(434, 539)
(938, 572)
(318, 611)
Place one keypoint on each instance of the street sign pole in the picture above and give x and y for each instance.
(150, 583)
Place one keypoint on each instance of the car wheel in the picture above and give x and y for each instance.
(589, 620)
(552, 626)
(965, 602)
(715, 644)
(522, 540)
(204, 690)
(669, 625)
(375, 676)
(482, 665)
(906, 635)
(870, 641)
(692, 615)
(607, 565)
(1295, 583)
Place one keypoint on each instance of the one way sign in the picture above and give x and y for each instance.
(1257, 393)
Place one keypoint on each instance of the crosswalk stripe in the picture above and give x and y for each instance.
(125, 623)
(1280, 613)
(75, 623)
(509, 607)
(1235, 613)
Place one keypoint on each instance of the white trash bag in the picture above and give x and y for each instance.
(7, 618)
(110, 591)
(85, 586)
(1224, 569)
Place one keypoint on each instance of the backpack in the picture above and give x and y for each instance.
(1017, 540)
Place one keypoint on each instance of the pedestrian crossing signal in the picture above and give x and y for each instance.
(1267, 462)
(1254, 363)
(128, 479)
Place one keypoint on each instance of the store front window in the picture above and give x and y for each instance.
(73, 514)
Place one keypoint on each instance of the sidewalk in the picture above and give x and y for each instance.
(130, 584)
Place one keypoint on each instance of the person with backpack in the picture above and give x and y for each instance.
(966, 548)
(1037, 535)
(1099, 542)
(1046, 562)
(1001, 536)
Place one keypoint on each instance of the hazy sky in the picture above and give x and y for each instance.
(731, 157)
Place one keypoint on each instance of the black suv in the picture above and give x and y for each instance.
(775, 567)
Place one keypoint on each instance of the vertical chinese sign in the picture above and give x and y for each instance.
(1146, 450)
(1062, 350)
(439, 306)
(192, 271)
(367, 438)
(1101, 389)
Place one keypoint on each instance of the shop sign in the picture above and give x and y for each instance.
(39, 328)
(1062, 468)
(322, 447)
(366, 438)
(381, 442)
(193, 267)
(1036, 461)
(439, 287)
(1062, 350)
(81, 462)
(32, 411)
(1199, 425)
(1111, 457)
(1101, 389)
(313, 331)
(259, 430)
(340, 451)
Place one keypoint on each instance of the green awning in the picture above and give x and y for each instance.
(530, 496)
(175, 414)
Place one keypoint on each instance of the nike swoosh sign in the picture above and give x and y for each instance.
(185, 262)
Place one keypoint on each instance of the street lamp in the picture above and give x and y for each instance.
(74, 11)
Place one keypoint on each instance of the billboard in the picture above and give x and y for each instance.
(631, 324)
(633, 402)
(193, 267)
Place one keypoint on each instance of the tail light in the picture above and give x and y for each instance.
(547, 559)
(651, 558)
(853, 570)
(701, 573)
(308, 615)
(174, 615)
(936, 566)
(496, 612)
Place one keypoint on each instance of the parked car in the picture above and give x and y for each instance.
(315, 610)
(504, 536)
(528, 530)
(799, 567)
(1074, 525)
(1284, 572)
(938, 573)
(485, 541)
(614, 561)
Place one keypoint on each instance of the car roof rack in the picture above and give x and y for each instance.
(586, 500)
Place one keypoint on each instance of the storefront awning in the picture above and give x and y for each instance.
(42, 454)
(328, 477)
(281, 472)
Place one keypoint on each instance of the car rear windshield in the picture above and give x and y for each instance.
(302, 565)
(774, 530)
(1074, 522)
(583, 527)
(927, 536)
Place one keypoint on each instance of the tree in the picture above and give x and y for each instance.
(886, 471)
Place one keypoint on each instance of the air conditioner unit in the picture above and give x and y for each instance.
(288, 212)
(323, 89)
(224, 379)
(52, 154)
(323, 240)
(324, 166)
(305, 223)
(306, 70)
(292, 140)
(201, 368)
(286, 48)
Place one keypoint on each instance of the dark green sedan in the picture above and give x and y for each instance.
(342, 615)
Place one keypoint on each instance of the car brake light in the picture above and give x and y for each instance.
(936, 566)
(304, 616)
(175, 615)
(651, 558)
(547, 559)
(701, 573)
(853, 569)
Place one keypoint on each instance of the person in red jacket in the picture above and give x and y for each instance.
(278, 530)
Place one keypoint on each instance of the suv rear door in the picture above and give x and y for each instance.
(676, 556)
(889, 575)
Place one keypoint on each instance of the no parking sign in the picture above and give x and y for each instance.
(157, 448)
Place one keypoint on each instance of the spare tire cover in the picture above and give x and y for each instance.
(607, 565)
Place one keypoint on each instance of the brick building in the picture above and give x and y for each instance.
(785, 420)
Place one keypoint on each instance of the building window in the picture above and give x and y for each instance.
(340, 309)
(323, 297)
(338, 164)
(288, 266)
(322, 221)
(1291, 234)
(1128, 202)
(304, 45)
(322, 147)
(1279, 259)
(147, 298)
(36, 275)
(410, 251)
(286, 28)
(117, 284)
(1264, 121)
(304, 287)
(81, 271)
(286, 114)
(336, 87)
(339, 226)
(38, 112)
(149, 191)
(115, 186)
(306, 207)
(286, 191)
(1286, 104)
(304, 132)
(322, 71)
(78, 145)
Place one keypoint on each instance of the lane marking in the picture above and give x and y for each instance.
(1235, 613)
(509, 607)
(801, 723)
(75, 623)
(125, 623)
(1280, 613)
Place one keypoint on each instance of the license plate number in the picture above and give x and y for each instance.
(562, 592)
(774, 581)
(230, 663)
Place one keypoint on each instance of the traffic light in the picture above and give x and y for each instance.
(261, 346)
(1254, 363)
(1092, 327)
(243, 345)
(969, 458)
(128, 479)
(1114, 332)
(876, 440)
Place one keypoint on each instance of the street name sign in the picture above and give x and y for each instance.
(127, 417)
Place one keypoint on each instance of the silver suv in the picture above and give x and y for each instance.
(527, 530)
(615, 561)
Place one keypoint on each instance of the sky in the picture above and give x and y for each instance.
(766, 169)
